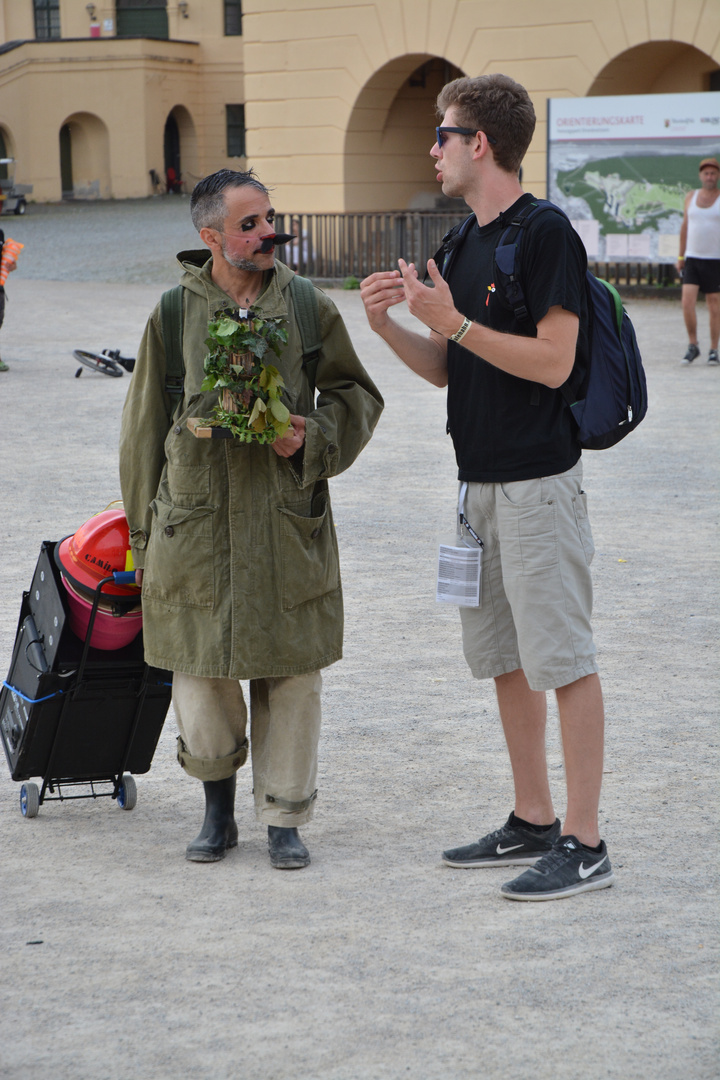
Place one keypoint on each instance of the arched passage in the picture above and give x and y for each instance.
(85, 158)
(180, 151)
(656, 67)
(386, 161)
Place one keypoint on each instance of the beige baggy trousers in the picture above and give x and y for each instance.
(284, 734)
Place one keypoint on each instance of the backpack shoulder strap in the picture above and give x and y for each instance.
(307, 314)
(508, 251)
(451, 241)
(171, 325)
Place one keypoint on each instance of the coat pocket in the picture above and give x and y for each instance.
(179, 567)
(187, 482)
(309, 556)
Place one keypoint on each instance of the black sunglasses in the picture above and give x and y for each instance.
(442, 132)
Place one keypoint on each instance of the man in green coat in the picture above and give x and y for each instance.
(234, 542)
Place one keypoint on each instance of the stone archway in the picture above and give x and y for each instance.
(85, 157)
(180, 149)
(655, 67)
(389, 135)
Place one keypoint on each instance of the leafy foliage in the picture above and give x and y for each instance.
(235, 363)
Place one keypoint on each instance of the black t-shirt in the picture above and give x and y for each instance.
(505, 428)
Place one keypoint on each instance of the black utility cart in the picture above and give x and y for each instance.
(81, 719)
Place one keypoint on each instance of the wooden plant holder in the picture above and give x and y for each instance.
(199, 426)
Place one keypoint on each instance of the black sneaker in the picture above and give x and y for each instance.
(513, 845)
(692, 353)
(568, 869)
(713, 357)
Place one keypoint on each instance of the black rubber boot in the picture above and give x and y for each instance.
(287, 851)
(219, 832)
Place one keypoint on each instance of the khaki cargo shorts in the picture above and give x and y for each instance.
(536, 585)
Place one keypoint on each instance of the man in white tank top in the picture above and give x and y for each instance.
(699, 261)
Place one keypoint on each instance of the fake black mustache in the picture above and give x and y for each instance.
(270, 242)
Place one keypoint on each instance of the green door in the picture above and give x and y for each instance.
(142, 18)
(66, 173)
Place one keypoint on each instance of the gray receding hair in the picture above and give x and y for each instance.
(207, 202)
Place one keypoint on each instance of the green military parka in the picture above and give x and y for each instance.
(241, 573)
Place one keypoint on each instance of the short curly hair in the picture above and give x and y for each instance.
(497, 105)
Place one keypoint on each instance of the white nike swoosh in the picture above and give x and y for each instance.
(504, 850)
(591, 869)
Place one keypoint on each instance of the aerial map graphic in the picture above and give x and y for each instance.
(620, 167)
(631, 192)
(613, 190)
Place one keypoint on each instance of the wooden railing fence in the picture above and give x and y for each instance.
(338, 246)
(334, 247)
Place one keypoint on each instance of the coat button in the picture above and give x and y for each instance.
(169, 531)
(177, 429)
(332, 448)
(314, 534)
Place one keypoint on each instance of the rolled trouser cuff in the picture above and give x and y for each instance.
(292, 807)
(207, 769)
(286, 813)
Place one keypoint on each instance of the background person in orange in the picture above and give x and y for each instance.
(699, 261)
(11, 264)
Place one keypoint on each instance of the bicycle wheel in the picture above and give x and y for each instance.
(96, 362)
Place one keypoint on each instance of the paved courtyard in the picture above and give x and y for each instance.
(119, 959)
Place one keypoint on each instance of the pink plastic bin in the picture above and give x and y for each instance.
(110, 631)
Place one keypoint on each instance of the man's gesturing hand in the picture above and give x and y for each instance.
(434, 307)
(379, 292)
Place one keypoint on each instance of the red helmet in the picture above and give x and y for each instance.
(99, 548)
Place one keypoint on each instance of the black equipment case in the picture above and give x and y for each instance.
(72, 714)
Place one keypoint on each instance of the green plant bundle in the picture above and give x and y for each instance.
(238, 346)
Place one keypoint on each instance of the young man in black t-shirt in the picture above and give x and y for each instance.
(521, 480)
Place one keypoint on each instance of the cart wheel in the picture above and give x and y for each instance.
(20, 208)
(96, 362)
(29, 800)
(127, 795)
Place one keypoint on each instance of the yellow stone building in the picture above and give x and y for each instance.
(332, 102)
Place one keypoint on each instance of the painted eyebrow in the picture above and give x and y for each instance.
(253, 217)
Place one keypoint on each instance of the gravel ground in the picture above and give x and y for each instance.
(124, 242)
(120, 959)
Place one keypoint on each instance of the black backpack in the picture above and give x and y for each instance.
(171, 322)
(607, 396)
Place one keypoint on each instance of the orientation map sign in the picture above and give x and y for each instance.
(620, 168)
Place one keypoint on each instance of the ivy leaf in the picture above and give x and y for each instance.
(279, 411)
(268, 382)
(225, 328)
(258, 409)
